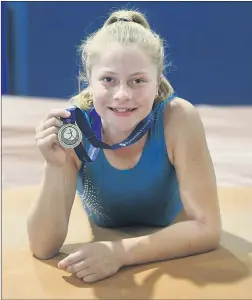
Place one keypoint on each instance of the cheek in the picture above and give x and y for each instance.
(146, 96)
(100, 94)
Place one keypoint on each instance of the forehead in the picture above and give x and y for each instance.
(123, 58)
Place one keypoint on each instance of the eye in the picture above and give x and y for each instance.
(138, 81)
(107, 79)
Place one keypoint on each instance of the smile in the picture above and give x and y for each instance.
(122, 109)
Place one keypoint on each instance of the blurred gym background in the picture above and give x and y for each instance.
(208, 43)
(209, 53)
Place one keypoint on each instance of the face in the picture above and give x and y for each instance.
(124, 84)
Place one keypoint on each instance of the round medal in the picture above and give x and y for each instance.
(69, 136)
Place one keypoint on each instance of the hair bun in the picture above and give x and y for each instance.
(127, 16)
(124, 19)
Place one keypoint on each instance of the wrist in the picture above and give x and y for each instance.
(120, 253)
(71, 159)
(53, 173)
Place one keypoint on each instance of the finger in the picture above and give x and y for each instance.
(49, 123)
(63, 113)
(47, 132)
(70, 259)
(77, 267)
(91, 278)
(48, 141)
(39, 128)
(52, 122)
(84, 273)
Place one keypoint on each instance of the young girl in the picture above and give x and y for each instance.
(165, 172)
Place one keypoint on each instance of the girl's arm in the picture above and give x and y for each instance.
(48, 218)
(190, 156)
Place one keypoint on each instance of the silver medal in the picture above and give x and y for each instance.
(70, 136)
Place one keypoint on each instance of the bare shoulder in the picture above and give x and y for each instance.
(182, 124)
(180, 110)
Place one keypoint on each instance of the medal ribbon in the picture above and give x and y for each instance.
(93, 133)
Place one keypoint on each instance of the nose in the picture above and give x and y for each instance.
(122, 93)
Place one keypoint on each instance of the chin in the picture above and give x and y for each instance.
(123, 124)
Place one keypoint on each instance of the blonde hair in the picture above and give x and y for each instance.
(125, 27)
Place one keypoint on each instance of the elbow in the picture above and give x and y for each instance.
(213, 237)
(210, 236)
(216, 239)
(214, 242)
(44, 254)
(44, 247)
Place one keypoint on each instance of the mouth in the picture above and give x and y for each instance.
(122, 110)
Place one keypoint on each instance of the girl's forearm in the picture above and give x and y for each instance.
(47, 221)
(178, 240)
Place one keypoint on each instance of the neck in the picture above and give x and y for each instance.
(112, 135)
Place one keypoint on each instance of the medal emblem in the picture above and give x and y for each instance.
(69, 136)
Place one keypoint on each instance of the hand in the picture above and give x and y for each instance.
(47, 138)
(93, 261)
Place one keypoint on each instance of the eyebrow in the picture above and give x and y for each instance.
(136, 73)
